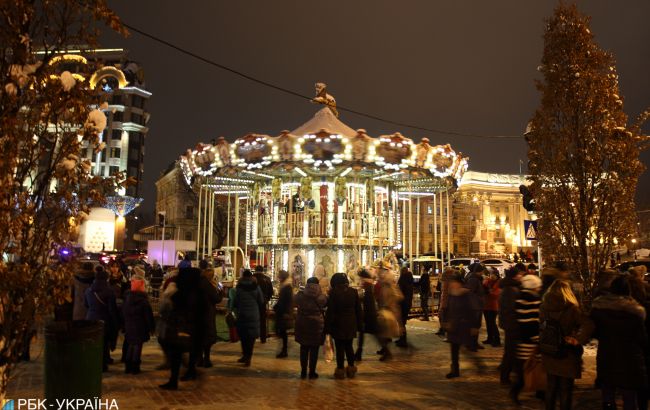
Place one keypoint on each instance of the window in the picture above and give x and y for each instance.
(430, 246)
(102, 170)
(136, 118)
(112, 170)
(429, 209)
(116, 152)
(430, 228)
(135, 137)
(117, 99)
(189, 212)
(118, 116)
(134, 154)
(116, 135)
(102, 155)
(455, 248)
(188, 236)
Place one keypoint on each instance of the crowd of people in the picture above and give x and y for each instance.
(543, 323)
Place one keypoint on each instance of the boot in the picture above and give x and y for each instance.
(339, 374)
(357, 355)
(190, 375)
(350, 371)
(386, 356)
(303, 373)
(455, 372)
(135, 368)
(401, 342)
(128, 367)
(207, 363)
(170, 385)
(282, 354)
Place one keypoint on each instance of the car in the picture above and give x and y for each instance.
(462, 262)
(500, 264)
(623, 267)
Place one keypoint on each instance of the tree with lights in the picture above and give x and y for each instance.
(47, 116)
(583, 155)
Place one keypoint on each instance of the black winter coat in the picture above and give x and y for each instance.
(283, 308)
(138, 317)
(264, 282)
(425, 284)
(461, 317)
(344, 317)
(210, 297)
(100, 305)
(247, 304)
(507, 298)
(405, 283)
(310, 322)
(156, 277)
(622, 340)
(369, 310)
(474, 283)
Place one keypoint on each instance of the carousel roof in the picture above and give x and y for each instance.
(326, 147)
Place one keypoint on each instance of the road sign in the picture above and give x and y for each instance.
(530, 228)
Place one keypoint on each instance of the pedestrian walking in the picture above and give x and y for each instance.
(405, 283)
(474, 283)
(246, 305)
(619, 325)
(80, 282)
(210, 295)
(283, 309)
(508, 322)
(388, 298)
(266, 286)
(342, 321)
(310, 325)
(527, 311)
(138, 323)
(369, 307)
(156, 277)
(461, 325)
(425, 294)
(491, 308)
(443, 284)
(560, 319)
(100, 304)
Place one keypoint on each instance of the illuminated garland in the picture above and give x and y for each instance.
(122, 205)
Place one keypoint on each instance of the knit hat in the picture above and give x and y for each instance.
(137, 284)
(313, 279)
(531, 282)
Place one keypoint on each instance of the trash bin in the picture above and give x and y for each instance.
(73, 359)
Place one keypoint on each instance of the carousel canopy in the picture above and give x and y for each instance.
(325, 148)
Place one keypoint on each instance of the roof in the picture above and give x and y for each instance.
(324, 119)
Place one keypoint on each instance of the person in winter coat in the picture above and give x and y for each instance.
(210, 294)
(388, 298)
(369, 305)
(310, 325)
(443, 283)
(138, 323)
(508, 321)
(266, 286)
(492, 291)
(342, 321)
(425, 294)
(618, 322)
(527, 310)
(560, 305)
(182, 319)
(81, 281)
(156, 277)
(283, 309)
(100, 304)
(247, 304)
(405, 283)
(117, 282)
(639, 288)
(474, 283)
(461, 324)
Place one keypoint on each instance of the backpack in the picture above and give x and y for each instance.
(551, 338)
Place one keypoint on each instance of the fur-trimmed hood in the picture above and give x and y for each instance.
(619, 303)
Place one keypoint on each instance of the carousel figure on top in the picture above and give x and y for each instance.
(322, 97)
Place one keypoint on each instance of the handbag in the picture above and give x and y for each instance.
(231, 319)
(534, 374)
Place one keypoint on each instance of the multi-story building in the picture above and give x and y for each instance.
(487, 218)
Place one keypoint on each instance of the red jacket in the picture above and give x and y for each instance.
(492, 292)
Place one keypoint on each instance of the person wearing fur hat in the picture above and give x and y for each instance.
(310, 325)
(527, 311)
(342, 321)
(369, 306)
(246, 304)
(618, 322)
(138, 322)
(283, 309)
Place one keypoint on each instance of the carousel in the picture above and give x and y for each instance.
(322, 198)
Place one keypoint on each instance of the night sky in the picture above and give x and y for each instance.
(463, 66)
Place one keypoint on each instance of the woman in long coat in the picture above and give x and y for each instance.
(369, 305)
(342, 321)
(560, 305)
(310, 325)
(461, 324)
(247, 304)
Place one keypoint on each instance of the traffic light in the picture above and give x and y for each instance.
(527, 198)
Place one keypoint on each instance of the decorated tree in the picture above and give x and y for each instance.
(47, 116)
(583, 154)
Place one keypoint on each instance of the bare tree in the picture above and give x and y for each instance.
(584, 156)
(46, 115)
